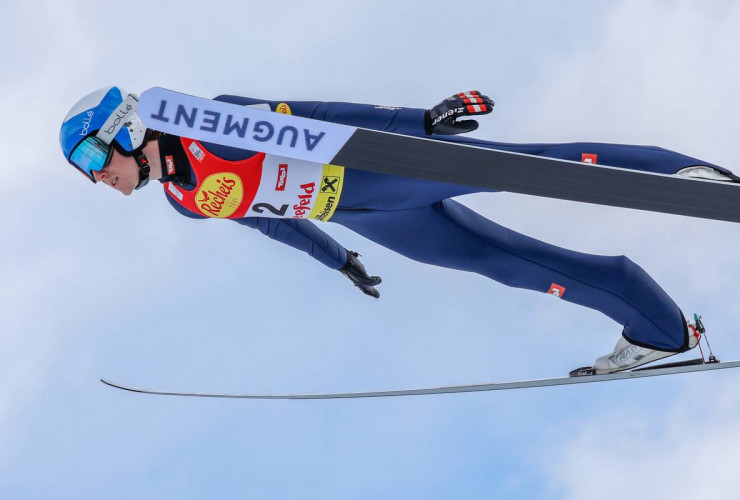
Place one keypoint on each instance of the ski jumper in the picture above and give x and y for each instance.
(417, 218)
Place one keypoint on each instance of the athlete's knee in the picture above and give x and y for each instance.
(628, 274)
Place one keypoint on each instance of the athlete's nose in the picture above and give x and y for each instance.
(99, 175)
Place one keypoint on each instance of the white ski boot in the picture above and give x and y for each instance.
(704, 172)
(627, 355)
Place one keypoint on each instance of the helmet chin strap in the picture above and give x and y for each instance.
(144, 169)
(141, 160)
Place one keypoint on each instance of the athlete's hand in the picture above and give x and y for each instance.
(442, 118)
(356, 273)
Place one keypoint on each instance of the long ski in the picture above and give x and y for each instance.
(653, 371)
(330, 143)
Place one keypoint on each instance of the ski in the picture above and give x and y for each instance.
(387, 153)
(693, 365)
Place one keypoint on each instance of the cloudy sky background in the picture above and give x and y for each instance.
(94, 284)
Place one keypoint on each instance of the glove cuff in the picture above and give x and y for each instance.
(348, 264)
(427, 122)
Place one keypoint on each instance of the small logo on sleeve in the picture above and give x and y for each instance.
(589, 158)
(282, 177)
(170, 165)
(556, 290)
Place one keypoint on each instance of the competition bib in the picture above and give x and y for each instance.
(261, 186)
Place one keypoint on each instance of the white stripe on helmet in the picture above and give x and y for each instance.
(124, 113)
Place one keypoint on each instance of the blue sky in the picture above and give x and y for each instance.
(98, 285)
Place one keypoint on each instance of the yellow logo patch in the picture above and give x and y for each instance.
(329, 193)
(283, 108)
(220, 195)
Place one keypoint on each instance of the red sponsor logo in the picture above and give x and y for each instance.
(282, 177)
(556, 290)
(170, 165)
(304, 200)
(589, 158)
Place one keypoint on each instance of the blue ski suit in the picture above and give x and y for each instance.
(417, 218)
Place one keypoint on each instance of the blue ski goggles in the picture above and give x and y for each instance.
(92, 154)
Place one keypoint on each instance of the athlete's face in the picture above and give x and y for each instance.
(122, 173)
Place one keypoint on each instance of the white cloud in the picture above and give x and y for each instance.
(661, 73)
(688, 451)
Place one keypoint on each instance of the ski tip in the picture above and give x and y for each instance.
(118, 386)
(111, 384)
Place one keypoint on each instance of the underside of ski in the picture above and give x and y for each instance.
(437, 160)
(693, 365)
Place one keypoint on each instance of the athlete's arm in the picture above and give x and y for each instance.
(407, 121)
(302, 235)
(441, 119)
(298, 233)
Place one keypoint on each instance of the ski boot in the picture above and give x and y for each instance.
(709, 173)
(626, 355)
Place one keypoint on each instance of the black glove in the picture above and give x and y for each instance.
(442, 118)
(355, 271)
